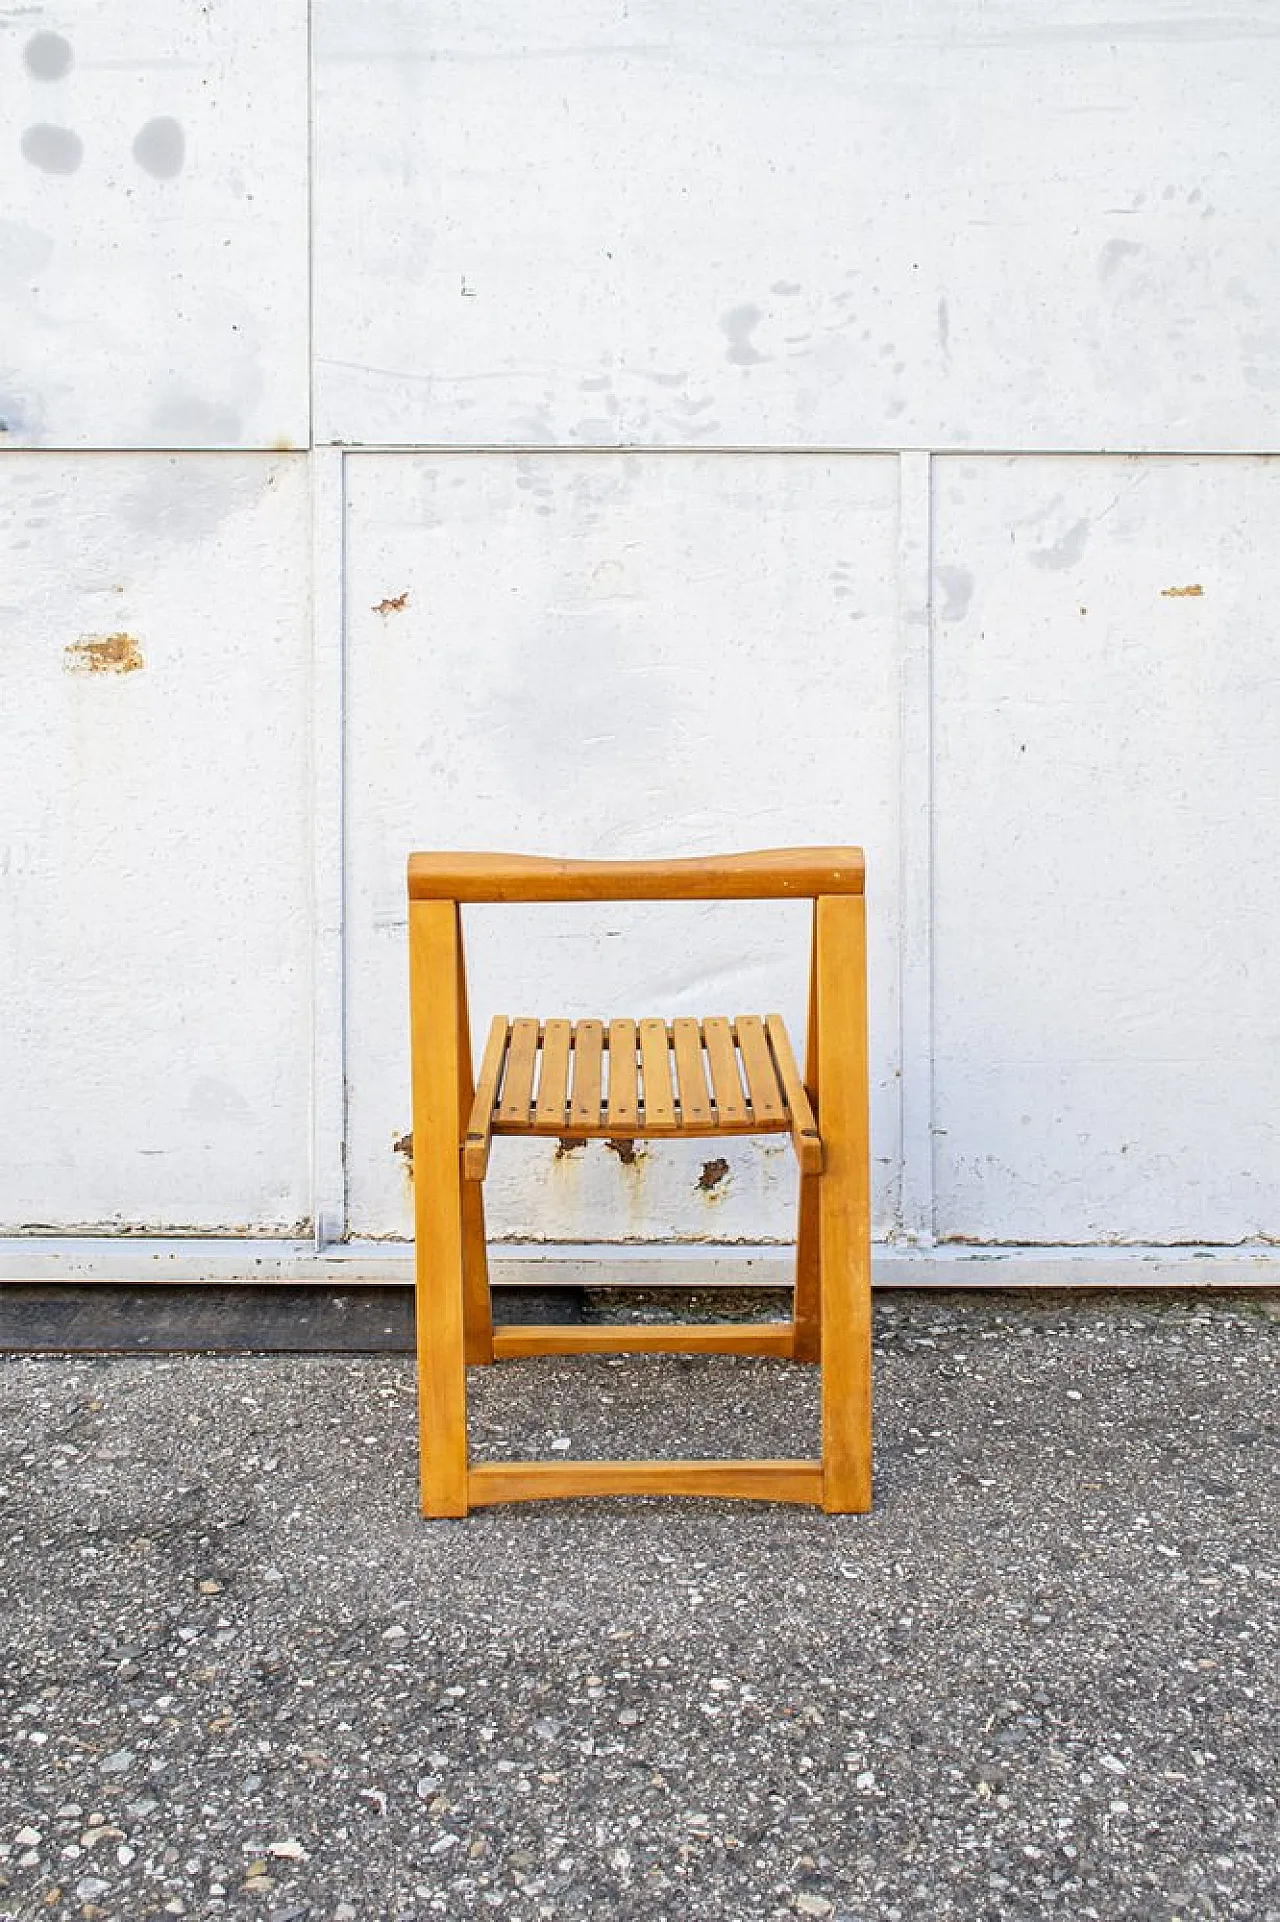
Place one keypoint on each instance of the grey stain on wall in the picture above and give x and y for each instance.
(47, 56)
(738, 326)
(161, 147)
(1113, 254)
(1065, 552)
(957, 584)
(55, 150)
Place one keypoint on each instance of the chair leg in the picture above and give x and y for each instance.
(477, 1302)
(442, 1384)
(807, 1309)
(844, 1204)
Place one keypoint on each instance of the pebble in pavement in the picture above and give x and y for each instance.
(241, 1678)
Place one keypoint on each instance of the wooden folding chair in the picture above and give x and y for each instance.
(591, 1080)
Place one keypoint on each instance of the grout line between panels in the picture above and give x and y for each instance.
(796, 451)
(328, 985)
(311, 224)
(915, 846)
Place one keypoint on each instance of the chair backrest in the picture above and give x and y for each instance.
(770, 874)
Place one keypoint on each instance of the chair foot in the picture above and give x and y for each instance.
(857, 1503)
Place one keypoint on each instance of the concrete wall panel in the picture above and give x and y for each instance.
(1107, 836)
(638, 655)
(153, 244)
(154, 842)
(985, 223)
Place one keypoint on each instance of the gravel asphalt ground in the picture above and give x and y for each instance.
(240, 1677)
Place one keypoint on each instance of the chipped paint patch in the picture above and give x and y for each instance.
(566, 1147)
(104, 654)
(713, 1173)
(394, 604)
(625, 1151)
(1182, 593)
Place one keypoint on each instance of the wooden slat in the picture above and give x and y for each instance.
(726, 1083)
(774, 1481)
(553, 1078)
(804, 1129)
(763, 1091)
(584, 1102)
(624, 1101)
(637, 1131)
(691, 1078)
(628, 1338)
(517, 1087)
(475, 1153)
(655, 1060)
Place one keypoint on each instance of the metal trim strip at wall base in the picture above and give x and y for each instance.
(137, 1259)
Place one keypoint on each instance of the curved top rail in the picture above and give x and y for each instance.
(774, 873)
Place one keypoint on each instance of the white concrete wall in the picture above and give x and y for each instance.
(717, 427)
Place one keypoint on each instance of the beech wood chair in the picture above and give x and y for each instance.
(591, 1080)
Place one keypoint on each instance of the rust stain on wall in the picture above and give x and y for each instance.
(393, 604)
(104, 654)
(713, 1173)
(403, 1146)
(1182, 593)
(625, 1151)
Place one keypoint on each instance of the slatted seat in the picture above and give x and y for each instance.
(639, 1080)
(628, 1079)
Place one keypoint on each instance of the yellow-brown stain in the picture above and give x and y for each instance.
(394, 604)
(1192, 593)
(104, 654)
